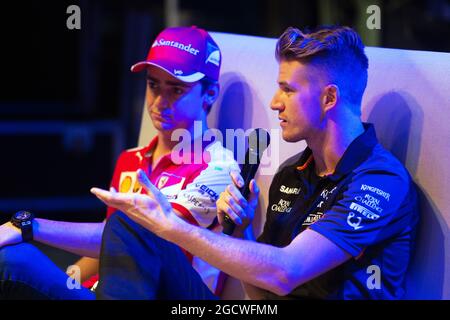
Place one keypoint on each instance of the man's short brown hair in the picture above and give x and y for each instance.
(338, 51)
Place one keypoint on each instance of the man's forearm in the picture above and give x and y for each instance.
(83, 239)
(223, 252)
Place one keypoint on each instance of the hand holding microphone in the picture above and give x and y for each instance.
(239, 201)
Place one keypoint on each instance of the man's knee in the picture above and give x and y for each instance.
(119, 223)
(20, 256)
(121, 230)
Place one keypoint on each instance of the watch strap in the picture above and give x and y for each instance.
(27, 230)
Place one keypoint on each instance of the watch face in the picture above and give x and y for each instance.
(22, 215)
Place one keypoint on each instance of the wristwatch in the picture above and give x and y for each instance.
(24, 221)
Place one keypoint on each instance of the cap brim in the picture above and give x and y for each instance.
(140, 66)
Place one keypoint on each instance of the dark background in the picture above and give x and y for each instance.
(68, 103)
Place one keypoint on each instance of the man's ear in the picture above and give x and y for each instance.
(330, 97)
(211, 94)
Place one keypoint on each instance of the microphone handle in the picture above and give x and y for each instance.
(248, 173)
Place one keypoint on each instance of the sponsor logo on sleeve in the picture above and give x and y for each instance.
(204, 189)
(364, 211)
(354, 221)
(192, 199)
(370, 202)
(197, 203)
(377, 191)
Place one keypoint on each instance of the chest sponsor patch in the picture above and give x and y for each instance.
(283, 206)
(170, 184)
(128, 182)
(168, 179)
(289, 190)
(313, 217)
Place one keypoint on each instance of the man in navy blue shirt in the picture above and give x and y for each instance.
(367, 207)
(341, 215)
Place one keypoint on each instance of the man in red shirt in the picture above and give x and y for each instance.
(182, 68)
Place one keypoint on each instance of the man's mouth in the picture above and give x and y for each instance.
(161, 117)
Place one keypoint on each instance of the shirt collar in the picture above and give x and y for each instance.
(358, 151)
(147, 152)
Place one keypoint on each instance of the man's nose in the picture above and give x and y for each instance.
(161, 102)
(275, 103)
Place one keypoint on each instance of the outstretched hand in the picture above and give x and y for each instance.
(151, 210)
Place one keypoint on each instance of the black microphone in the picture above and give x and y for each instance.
(258, 141)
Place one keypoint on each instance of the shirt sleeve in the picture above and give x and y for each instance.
(370, 210)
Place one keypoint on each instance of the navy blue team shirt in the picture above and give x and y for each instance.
(367, 207)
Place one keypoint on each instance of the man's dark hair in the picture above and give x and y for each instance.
(337, 51)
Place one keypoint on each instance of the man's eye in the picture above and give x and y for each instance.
(152, 85)
(178, 91)
(288, 91)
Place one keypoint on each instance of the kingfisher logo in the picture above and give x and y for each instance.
(185, 47)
